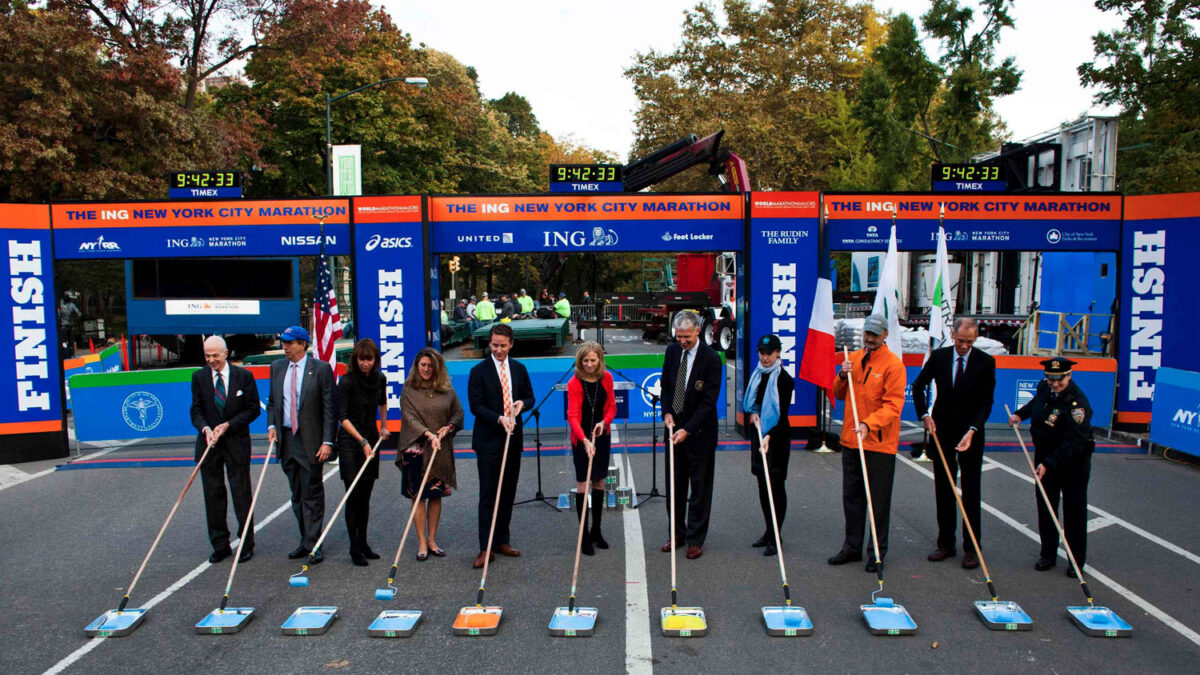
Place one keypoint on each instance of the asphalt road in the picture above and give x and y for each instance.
(74, 538)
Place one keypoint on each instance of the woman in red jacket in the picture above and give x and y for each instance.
(591, 408)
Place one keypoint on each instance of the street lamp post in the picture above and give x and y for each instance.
(418, 82)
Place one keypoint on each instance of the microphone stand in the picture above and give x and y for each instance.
(654, 404)
(536, 414)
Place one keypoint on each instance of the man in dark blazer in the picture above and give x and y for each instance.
(498, 389)
(302, 416)
(691, 385)
(224, 403)
(966, 383)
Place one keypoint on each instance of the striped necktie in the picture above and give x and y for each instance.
(680, 385)
(219, 399)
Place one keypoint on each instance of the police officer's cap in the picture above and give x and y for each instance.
(1057, 368)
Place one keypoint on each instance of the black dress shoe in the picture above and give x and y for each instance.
(844, 557)
(316, 558)
(1071, 572)
(970, 561)
(369, 554)
(1043, 564)
(358, 558)
(300, 552)
(761, 541)
(770, 550)
(219, 555)
(247, 554)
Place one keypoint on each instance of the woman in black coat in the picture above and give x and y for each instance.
(362, 396)
(768, 394)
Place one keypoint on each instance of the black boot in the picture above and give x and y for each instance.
(596, 537)
(585, 546)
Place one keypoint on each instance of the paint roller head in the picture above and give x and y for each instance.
(298, 581)
(884, 602)
(385, 593)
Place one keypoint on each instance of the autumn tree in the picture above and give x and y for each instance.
(1150, 67)
(764, 74)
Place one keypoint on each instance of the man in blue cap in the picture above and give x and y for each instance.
(302, 418)
(1060, 421)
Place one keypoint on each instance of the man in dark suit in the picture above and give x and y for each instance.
(498, 389)
(691, 385)
(965, 378)
(224, 403)
(302, 415)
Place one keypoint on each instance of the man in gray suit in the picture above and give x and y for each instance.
(302, 416)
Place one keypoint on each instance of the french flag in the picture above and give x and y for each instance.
(819, 362)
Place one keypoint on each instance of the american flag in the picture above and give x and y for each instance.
(327, 324)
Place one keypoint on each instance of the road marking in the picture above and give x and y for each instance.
(987, 467)
(637, 600)
(1099, 523)
(11, 476)
(93, 643)
(1091, 571)
(1105, 514)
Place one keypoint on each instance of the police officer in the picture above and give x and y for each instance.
(1061, 424)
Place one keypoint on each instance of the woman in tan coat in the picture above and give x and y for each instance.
(431, 415)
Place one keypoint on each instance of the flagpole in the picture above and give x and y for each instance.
(822, 399)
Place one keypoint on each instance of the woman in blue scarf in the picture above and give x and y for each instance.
(768, 395)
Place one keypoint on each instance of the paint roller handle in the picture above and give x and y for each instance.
(992, 590)
(571, 605)
(124, 601)
(224, 601)
(479, 597)
(879, 571)
(787, 594)
(1086, 592)
(391, 578)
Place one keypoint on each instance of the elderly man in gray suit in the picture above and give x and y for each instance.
(302, 416)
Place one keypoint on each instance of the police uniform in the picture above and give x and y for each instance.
(1061, 426)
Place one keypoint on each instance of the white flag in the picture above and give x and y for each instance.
(887, 296)
(941, 314)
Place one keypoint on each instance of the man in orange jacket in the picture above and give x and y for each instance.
(879, 380)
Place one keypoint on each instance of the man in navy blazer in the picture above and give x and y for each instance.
(498, 389)
(691, 385)
(302, 417)
(224, 403)
(966, 384)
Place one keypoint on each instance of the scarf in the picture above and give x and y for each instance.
(769, 415)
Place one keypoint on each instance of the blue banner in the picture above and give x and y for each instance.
(1175, 420)
(30, 402)
(783, 251)
(389, 288)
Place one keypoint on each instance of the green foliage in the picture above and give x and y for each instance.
(520, 120)
(1151, 68)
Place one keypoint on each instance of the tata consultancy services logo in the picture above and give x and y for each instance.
(1054, 236)
(100, 245)
(142, 411)
(379, 241)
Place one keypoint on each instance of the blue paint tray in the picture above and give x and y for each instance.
(580, 622)
(309, 621)
(225, 621)
(787, 621)
(394, 623)
(887, 618)
(1099, 621)
(115, 623)
(1003, 615)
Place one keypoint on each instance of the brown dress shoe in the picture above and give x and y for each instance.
(479, 559)
(970, 561)
(505, 549)
(666, 548)
(940, 554)
(694, 552)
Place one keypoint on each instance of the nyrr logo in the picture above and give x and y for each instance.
(379, 241)
(100, 245)
(142, 411)
(652, 385)
(579, 238)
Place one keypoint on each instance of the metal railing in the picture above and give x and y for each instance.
(1074, 334)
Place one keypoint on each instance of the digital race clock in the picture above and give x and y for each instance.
(193, 184)
(968, 178)
(586, 178)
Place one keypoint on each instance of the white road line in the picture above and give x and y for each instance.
(170, 590)
(987, 467)
(638, 652)
(1099, 523)
(11, 476)
(1105, 514)
(1091, 571)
